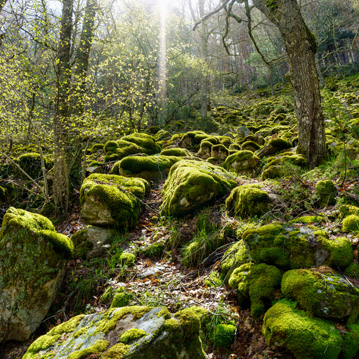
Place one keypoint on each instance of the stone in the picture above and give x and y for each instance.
(126, 332)
(32, 265)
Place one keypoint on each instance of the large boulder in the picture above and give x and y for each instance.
(305, 337)
(274, 146)
(322, 292)
(242, 162)
(146, 167)
(110, 200)
(32, 265)
(127, 332)
(191, 185)
(290, 247)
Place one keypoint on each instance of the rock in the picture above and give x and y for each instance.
(242, 162)
(248, 201)
(250, 146)
(306, 338)
(191, 185)
(290, 247)
(147, 142)
(326, 192)
(146, 167)
(110, 200)
(176, 151)
(219, 151)
(90, 241)
(128, 332)
(274, 146)
(205, 149)
(116, 150)
(258, 282)
(32, 265)
(233, 257)
(243, 131)
(322, 292)
(351, 223)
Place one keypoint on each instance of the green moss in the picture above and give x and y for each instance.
(2, 194)
(66, 327)
(176, 151)
(99, 347)
(189, 322)
(219, 151)
(171, 325)
(121, 299)
(132, 335)
(165, 313)
(117, 195)
(235, 256)
(147, 142)
(127, 259)
(147, 167)
(241, 162)
(306, 338)
(118, 351)
(81, 245)
(155, 250)
(347, 209)
(326, 192)
(351, 342)
(307, 219)
(248, 201)
(61, 243)
(352, 270)
(80, 332)
(224, 335)
(351, 223)
(213, 280)
(41, 343)
(31, 164)
(205, 149)
(291, 247)
(192, 184)
(250, 146)
(111, 317)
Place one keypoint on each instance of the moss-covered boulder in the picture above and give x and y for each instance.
(274, 146)
(147, 142)
(250, 146)
(205, 149)
(128, 332)
(351, 223)
(256, 283)
(116, 150)
(176, 151)
(191, 185)
(111, 200)
(248, 201)
(242, 162)
(290, 247)
(32, 265)
(90, 241)
(326, 192)
(322, 293)
(146, 167)
(219, 151)
(307, 338)
(234, 256)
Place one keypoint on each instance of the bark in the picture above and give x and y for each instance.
(61, 119)
(301, 47)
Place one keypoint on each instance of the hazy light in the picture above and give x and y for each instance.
(162, 65)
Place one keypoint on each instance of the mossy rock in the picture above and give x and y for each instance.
(347, 209)
(242, 162)
(191, 185)
(224, 335)
(326, 191)
(192, 139)
(162, 135)
(274, 146)
(147, 167)
(110, 200)
(322, 293)
(248, 201)
(31, 164)
(116, 150)
(258, 283)
(233, 257)
(176, 151)
(307, 338)
(90, 241)
(121, 299)
(32, 264)
(219, 151)
(127, 332)
(147, 142)
(289, 247)
(351, 224)
(307, 219)
(205, 149)
(250, 146)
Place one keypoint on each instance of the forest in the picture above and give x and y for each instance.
(179, 179)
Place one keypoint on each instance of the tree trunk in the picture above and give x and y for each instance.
(301, 47)
(61, 165)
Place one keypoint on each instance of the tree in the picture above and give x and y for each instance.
(301, 47)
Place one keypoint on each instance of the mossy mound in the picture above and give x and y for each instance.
(248, 201)
(326, 192)
(31, 164)
(191, 185)
(110, 200)
(250, 146)
(351, 223)
(274, 146)
(147, 142)
(146, 167)
(205, 149)
(305, 337)
(258, 283)
(116, 150)
(219, 151)
(176, 151)
(242, 162)
(290, 247)
(347, 209)
(32, 265)
(322, 293)
(127, 332)
(234, 256)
